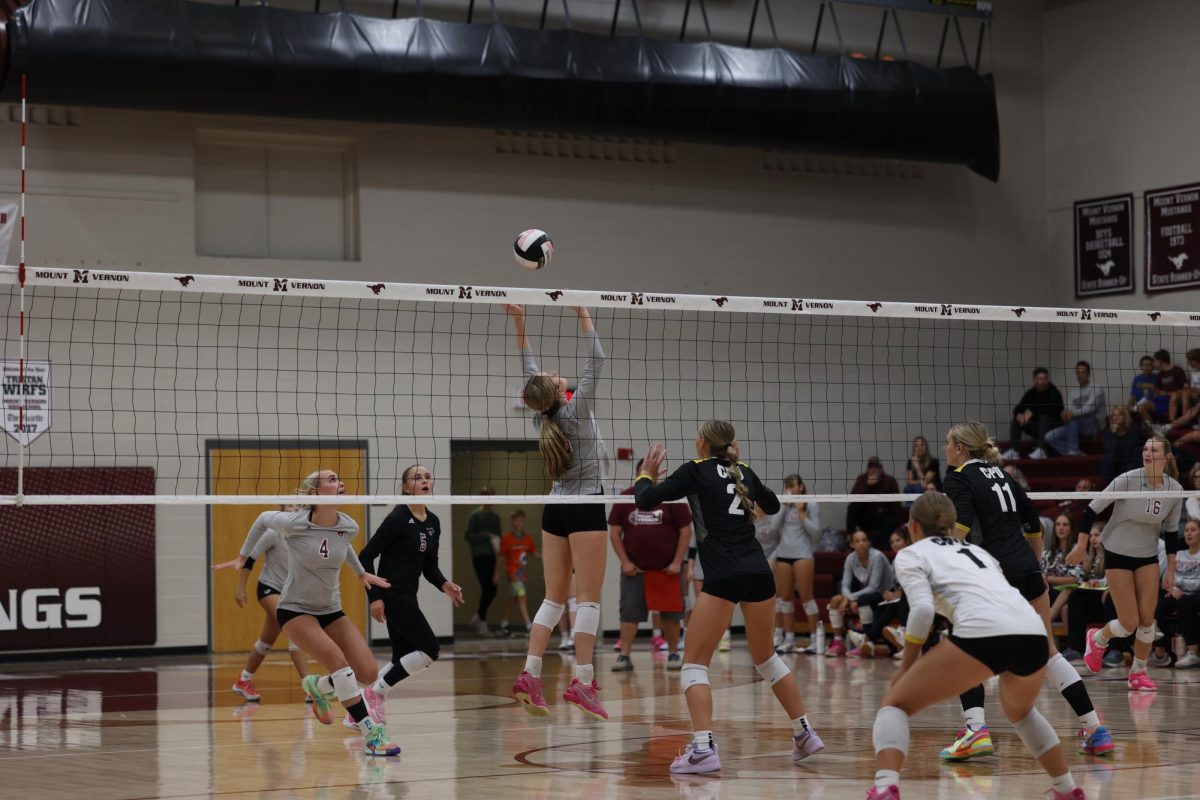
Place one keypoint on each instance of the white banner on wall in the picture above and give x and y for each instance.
(9, 215)
(33, 393)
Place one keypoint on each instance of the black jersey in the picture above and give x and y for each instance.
(407, 548)
(995, 513)
(724, 529)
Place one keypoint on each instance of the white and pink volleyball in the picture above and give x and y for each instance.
(533, 249)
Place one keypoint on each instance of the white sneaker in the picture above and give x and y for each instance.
(725, 643)
(1038, 453)
(1010, 455)
(1188, 661)
(778, 638)
(856, 639)
(481, 627)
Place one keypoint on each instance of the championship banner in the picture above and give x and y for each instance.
(10, 213)
(78, 576)
(1172, 246)
(1104, 246)
(32, 394)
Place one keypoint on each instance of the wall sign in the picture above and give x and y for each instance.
(1104, 246)
(33, 393)
(1172, 244)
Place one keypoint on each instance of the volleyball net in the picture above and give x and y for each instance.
(230, 389)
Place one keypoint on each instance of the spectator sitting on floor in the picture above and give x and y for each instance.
(1057, 571)
(1039, 412)
(1123, 443)
(1191, 506)
(1083, 415)
(1184, 597)
(877, 520)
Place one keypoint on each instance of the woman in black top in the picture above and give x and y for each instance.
(722, 492)
(406, 545)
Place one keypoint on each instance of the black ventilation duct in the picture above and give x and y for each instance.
(180, 55)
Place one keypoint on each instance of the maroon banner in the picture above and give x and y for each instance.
(1104, 246)
(1172, 245)
(77, 576)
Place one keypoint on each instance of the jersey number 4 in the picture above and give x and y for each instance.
(324, 548)
(1002, 489)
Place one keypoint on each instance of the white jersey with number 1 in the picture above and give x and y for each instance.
(964, 583)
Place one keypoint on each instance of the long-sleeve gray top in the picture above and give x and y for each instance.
(876, 576)
(797, 537)
(576, 417)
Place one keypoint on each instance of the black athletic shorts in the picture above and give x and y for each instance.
(1032, 585)
(563, 520)
(1019, 654)
(753, 587)
(1132, 563)
(264, 590)
(325, 620)
(783, 560)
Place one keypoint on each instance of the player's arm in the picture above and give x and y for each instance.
(761, 493)
(431, 569)
(585, 393)
(648, 494)
(1031, 521)
(914, 581)
(958, 489)
(372, 550)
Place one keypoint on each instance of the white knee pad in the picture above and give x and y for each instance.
(1145, 634)
(1062, 674)
(1036, 733)
(548, 614)
(773, 670)
(836, 619)
(1119, 631)
(891, 730)
(587, 619)
(687, 602)
(866, 615)
(293, 647)
(787, 607)
(415, 662)
(262, 648)
(345, 685)
(691, 675)
(778, 605)
(811, 609)
(572, 606)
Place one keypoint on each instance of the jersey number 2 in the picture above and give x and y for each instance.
(1002, 489)
(324, 548)
(736, 506)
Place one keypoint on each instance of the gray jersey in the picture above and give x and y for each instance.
(797, 537)
(1133, 530)
(584, 475)
(274, 562)
(315, 558)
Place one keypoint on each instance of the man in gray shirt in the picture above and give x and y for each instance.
(1083, 415)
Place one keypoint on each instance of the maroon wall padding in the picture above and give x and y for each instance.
(64, 547)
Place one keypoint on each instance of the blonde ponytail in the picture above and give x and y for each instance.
(719, 435)
(974, 438)
(309, 486)
(1172, 467)
(935, 513)
(541, 394)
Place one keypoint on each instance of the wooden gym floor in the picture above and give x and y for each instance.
(170, 728)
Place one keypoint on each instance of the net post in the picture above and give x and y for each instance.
(21, 446)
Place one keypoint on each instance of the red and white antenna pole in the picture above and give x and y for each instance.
(21, 445)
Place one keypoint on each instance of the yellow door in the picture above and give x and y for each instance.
(270, 471)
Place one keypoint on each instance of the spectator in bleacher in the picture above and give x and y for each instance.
(866, 575)
(1123, 443)
(1184, 598)
(1074, 508)
(1089, 602)
(1168, 383)
(1055, 569)
(877, 520)
(1186, 413)
(1143, 402)
(1038, 413)
(921, 469)
(1083, 415)
(1191, 506)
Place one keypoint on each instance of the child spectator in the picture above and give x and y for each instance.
(516, 548)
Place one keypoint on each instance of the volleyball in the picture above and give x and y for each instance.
(533, 249)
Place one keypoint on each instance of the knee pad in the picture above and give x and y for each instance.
(262, 648)
(687, 602)
(811, 609)
(773, 670)
(1119, 631)
(1062, 674)
(866, 615)
(1145, 634)
(891, 730)
(692, 674)
(1036, 733)
(345, 685)
(787, 607)
(548, 614)
(778, 605)
(836, 619)
(293, 647)
(587, 619)
(415, 662)
(572, 606)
